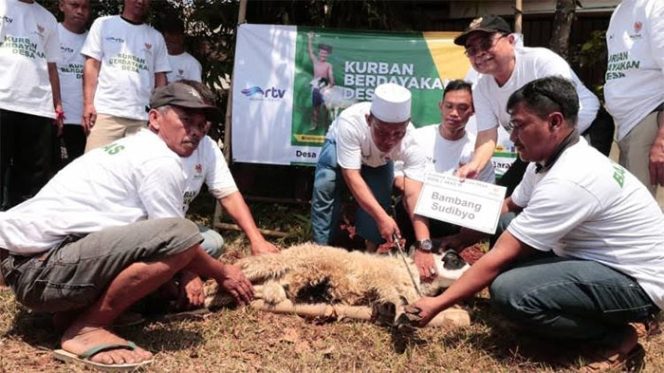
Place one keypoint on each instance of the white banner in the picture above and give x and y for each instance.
(289, 83)
(470, 203)
(263, 96)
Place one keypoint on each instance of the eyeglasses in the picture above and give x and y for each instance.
(484, 45)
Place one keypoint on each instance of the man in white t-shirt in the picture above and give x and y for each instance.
(490, 47)
(207, 165)
(183, 64)
(29, 98)
(109, 229)
(72, 32)
(446, 147)
(634, 89)
(358, 153)
(125, 59)
(585, 256)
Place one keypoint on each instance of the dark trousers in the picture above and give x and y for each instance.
(26, 155)
(512, 177)
(600, 132)
(73, 137)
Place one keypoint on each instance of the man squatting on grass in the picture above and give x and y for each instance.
(109, 229)
(585, 254)
(359, 151)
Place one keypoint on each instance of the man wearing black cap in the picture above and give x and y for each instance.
(110, 229)
(492, 51)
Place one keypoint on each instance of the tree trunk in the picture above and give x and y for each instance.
(562, 25)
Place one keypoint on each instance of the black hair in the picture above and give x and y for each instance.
(169, 21)
(458, 85)
(547, 95)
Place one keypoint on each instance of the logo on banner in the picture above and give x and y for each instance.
(258, 93)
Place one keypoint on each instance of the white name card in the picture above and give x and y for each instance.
(470, 203)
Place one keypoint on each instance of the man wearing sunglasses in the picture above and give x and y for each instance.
(492, 51)
(358, 152)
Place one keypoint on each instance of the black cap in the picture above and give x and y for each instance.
(182, 95)
(489, 24)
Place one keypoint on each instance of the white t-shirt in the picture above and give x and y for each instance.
(588, 207)
(184, 66)
(132, 179)
(28, 42)
(490, 100)
(635, 76)
(207, 164)
(355, 146)
(130, 55)
(445, 156)
(70, 71)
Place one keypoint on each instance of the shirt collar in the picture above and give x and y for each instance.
(571, 139)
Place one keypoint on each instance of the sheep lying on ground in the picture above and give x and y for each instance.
(310, 273)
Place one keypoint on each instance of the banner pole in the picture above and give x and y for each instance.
(241, 18)
(518, 16)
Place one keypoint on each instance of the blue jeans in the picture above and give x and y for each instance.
(328, 191)
(213, 243)
(571, 299)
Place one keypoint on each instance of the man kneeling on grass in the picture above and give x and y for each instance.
(584, 257)
(109, 229)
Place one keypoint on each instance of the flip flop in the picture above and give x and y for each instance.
(84, 358)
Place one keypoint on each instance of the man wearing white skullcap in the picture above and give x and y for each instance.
(358, 152)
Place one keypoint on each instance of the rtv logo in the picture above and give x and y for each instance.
(257, 92)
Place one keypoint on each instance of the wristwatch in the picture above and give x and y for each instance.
(424, 245)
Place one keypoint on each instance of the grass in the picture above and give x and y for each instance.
(245, 340)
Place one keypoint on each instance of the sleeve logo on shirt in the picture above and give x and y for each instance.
(113, 149)
(619, 175)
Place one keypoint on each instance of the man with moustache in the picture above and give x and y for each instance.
(492, 52)
(109, 229)
(125, 59)
(358, 153)
(585, 255)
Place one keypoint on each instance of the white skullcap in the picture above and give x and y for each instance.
(391, 103)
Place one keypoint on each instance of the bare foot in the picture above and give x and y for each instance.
(616, 357)
(82, 339)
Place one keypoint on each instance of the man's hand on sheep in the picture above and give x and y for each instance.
(190, 292)
(425, 265)
(422, 311)
(387, 228)
(263, 247)
(237, 285)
